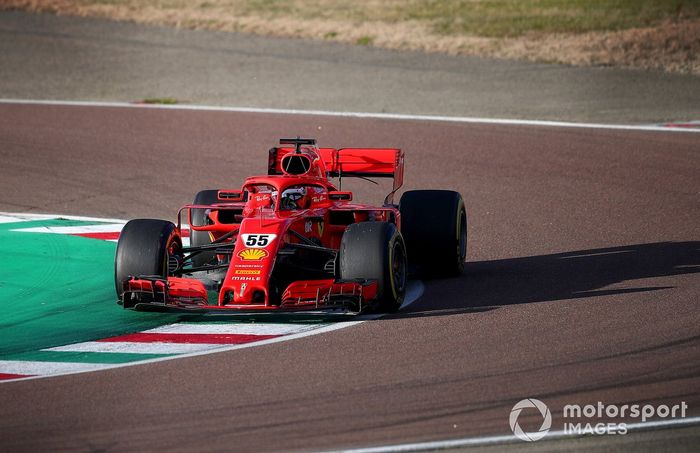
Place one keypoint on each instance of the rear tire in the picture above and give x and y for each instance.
(434, 226)
(375, 250)
(199, 217)
(144, 248)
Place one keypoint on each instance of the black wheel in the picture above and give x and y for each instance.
(199, 217)
(375, 250)
(144, 248)
(434, 226)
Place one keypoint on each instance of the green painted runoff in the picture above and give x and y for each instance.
(57, 289)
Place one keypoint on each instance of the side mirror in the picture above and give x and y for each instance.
(230, 195)
(340, 196)
(197, 219)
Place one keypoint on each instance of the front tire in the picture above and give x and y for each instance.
(434, 225)
(144, 248)
(376, 250)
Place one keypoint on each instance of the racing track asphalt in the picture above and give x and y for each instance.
(582, 283)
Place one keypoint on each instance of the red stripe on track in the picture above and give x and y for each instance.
(203, 338)
(684, 125)
(5, 376)
(104, 236)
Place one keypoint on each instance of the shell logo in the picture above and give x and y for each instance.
(252, 254)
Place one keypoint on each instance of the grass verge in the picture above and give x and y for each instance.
(648, 34)
(163, 101)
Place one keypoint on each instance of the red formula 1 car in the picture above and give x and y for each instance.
(291, 240)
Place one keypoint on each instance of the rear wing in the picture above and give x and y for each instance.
(353, 162)
(376, 162)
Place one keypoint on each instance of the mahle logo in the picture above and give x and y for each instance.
(528, 404)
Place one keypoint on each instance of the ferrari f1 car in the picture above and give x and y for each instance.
(291, 240)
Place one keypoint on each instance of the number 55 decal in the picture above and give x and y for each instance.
(258, 241)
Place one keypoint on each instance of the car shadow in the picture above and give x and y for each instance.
(487, 285)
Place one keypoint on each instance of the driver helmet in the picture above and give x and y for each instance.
(294, 198)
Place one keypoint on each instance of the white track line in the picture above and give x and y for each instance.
(130, 347)
(115, 225)
(82, 229)
(391, 116)
(509, 438)
(47, 368)
(12, 219)
(235, 329)
(28, 217)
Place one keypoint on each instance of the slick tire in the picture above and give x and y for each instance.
(144, 248)
(434, 226)
(376, 250)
